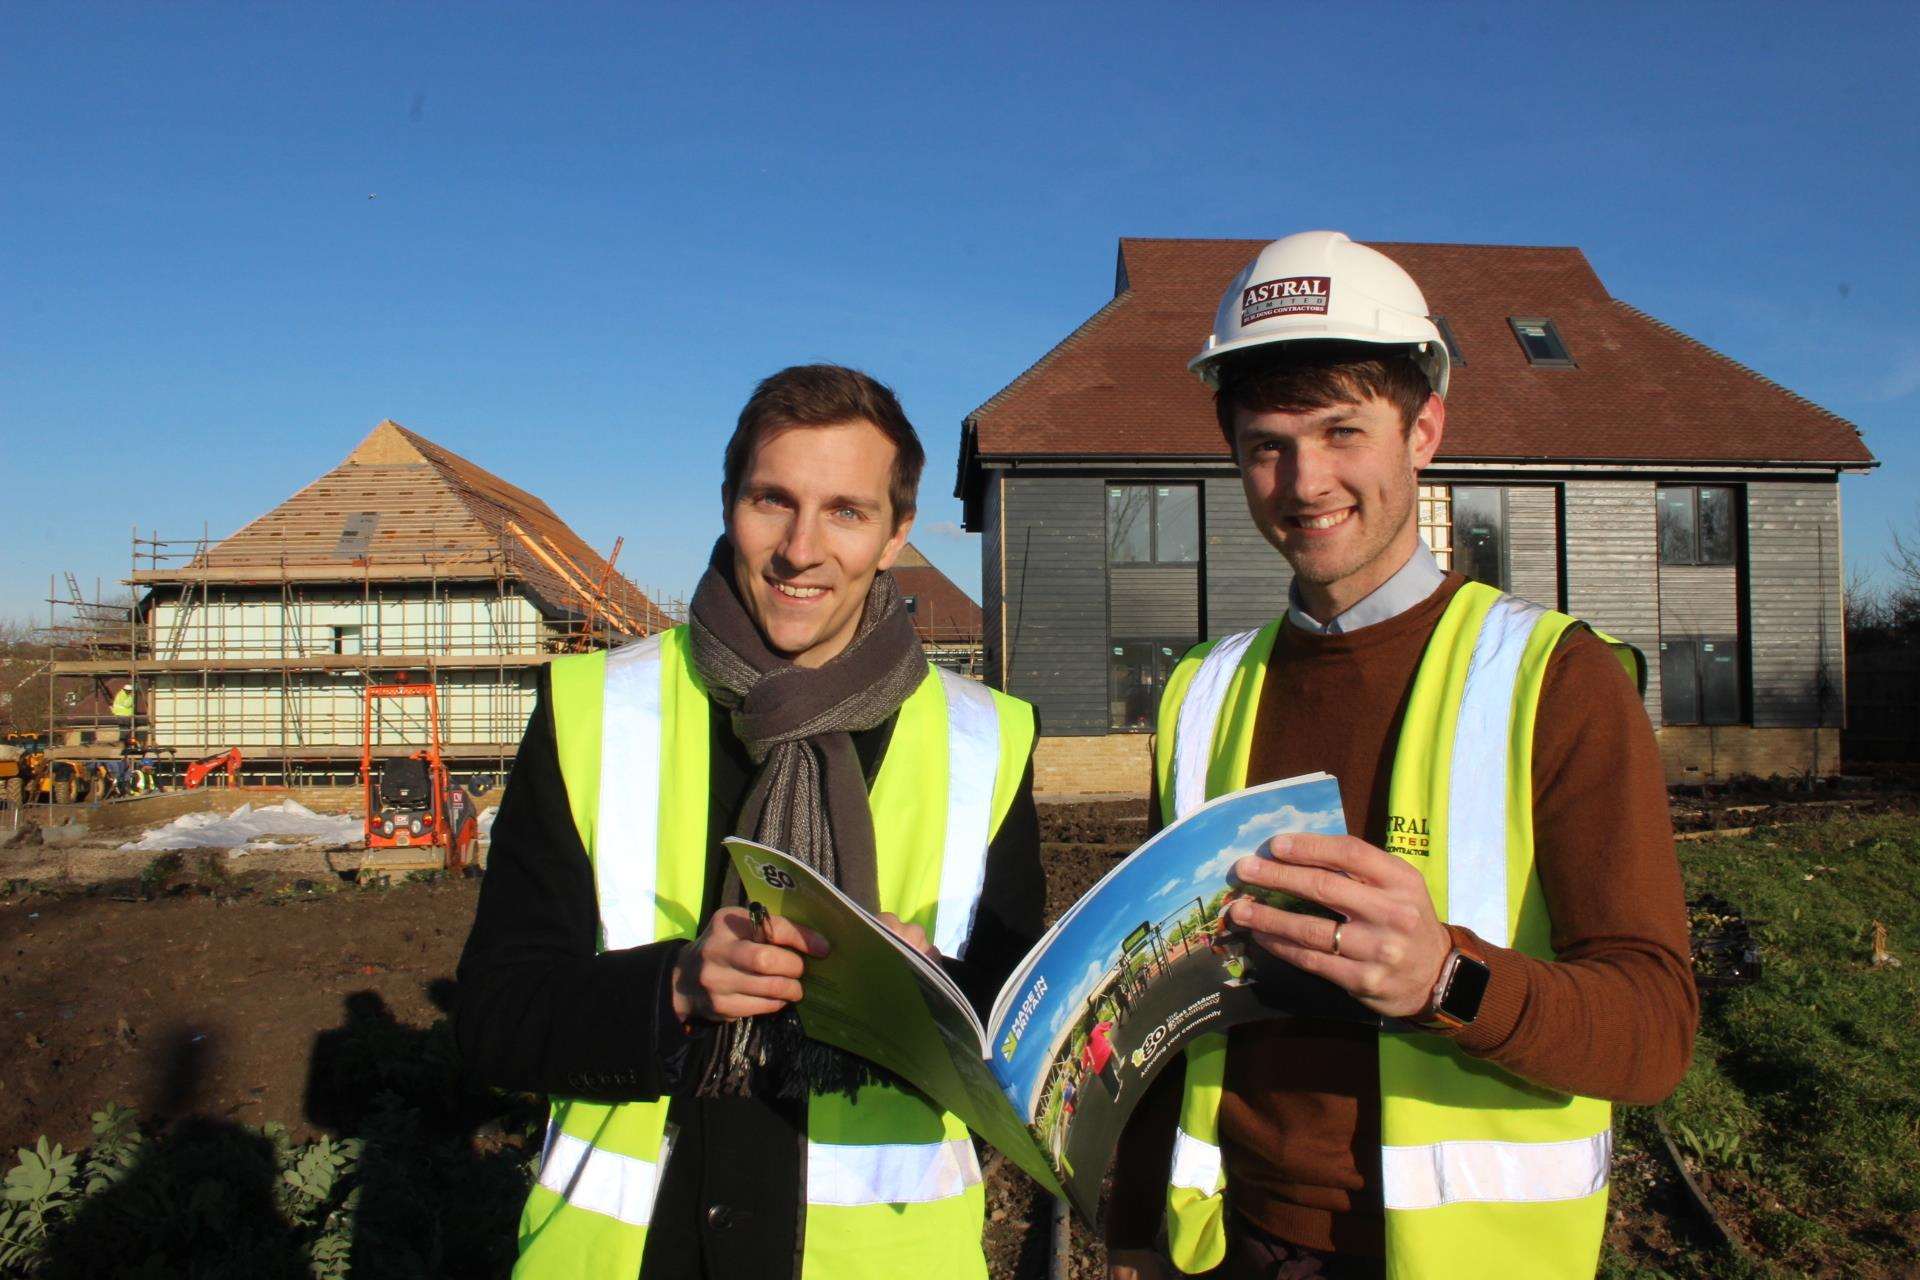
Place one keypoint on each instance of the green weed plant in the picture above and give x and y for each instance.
(1801, 1114)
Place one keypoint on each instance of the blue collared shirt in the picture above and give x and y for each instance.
(1417, 579)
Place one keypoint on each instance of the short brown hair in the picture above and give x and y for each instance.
(1295, 377)
(827, 395)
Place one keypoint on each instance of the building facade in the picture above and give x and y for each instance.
(405, 564)
(1595, 460)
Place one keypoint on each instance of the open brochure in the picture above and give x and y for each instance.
(1130, 973)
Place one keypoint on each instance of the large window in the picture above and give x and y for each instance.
(1465, 526)
(1136, 672)
(1700, 681)
(1696, 524)
(1153, 523)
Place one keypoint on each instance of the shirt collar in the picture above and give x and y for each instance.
(1417, 579)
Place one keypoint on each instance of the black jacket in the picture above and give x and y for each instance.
(540, 1009)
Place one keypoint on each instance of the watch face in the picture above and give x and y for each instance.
(1466, 989)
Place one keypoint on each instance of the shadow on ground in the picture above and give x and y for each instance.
(422, 1175)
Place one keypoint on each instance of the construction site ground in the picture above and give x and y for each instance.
(268, 987)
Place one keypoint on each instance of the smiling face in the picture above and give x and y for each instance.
(1334, 490)
(810, 524)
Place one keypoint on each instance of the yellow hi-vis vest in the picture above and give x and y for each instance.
(1482, 1173)
(891, 1183)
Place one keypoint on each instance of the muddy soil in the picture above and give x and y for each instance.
(216, 987)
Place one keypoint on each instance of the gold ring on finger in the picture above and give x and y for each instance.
(1338, 926)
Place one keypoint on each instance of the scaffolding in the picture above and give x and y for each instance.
(272, 654)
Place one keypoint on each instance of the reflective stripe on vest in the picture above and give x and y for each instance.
(1477, 792)
(1482, 1121)
(643, 834)
(1196, 1163)
(1443, 1173)
(889, 1173)
(600, 1181)
(973, 763)
(1199, 717)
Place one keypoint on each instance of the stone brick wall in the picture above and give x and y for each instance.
(1113, 764)
(1116, 764)
(1699, 753)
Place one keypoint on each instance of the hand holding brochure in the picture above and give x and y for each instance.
(1124, 979)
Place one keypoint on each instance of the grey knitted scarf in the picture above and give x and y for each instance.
(809, 797)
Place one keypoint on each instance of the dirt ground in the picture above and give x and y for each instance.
(216, 988)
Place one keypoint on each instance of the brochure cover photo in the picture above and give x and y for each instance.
(1126, 977)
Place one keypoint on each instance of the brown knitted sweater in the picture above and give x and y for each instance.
(1613, 1017)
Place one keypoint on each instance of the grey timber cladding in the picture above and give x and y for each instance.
(1533, 543)
(1056, 598)
(1699, 600)
(1794, 582)
(990, 589)
(1246, 579)
(1154, 601)
(1613, 569)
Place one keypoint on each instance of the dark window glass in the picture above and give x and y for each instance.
(1176, 523)
(1700, 681)
(1719, 682)
(1479, 534)
(1137, 670)
(1129, 529)
(1540, 340)
(1453, 345)
(1676, 526)
(1153, 524)
(913, 604)
(1696, 524)
(1716, 526)
(1679, 683)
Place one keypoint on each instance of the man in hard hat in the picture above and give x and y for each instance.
(694, 1130)
(1508, 898)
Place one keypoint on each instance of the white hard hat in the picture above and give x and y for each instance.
(1321, 286)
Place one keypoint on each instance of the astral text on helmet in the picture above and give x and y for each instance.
(1288, 296)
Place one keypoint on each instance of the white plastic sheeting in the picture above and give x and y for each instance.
(248, 829)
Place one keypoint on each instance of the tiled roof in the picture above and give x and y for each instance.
(1642, 392)
(434, 509)
(942, 612)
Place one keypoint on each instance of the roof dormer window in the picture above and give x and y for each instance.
(1541, 341)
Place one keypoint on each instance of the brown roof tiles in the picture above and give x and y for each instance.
(1642, 391)
(434, 509)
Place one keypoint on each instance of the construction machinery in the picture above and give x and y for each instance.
(33, 773)
(408, 795)
(229, 760)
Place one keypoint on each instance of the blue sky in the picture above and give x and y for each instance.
(592, 228)
(1183, 863)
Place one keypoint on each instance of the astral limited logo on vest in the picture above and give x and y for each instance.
(1290, 296)
(1409, 836)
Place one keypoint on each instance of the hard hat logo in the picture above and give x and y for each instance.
(1293, 296)
(1288, 294)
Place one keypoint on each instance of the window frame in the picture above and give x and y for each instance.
(1693, 505)
(1564, 360)
(1174, 651)
(1151, 515)
(1703, 716)
(1506, 534)
(1458, 360)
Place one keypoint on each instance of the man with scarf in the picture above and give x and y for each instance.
(612, 963)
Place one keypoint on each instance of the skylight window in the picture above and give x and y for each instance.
(1541, 341)
(1453, 344)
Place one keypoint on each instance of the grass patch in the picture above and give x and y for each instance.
(1801, 1114)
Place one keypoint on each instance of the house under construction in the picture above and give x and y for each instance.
(405, 561)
